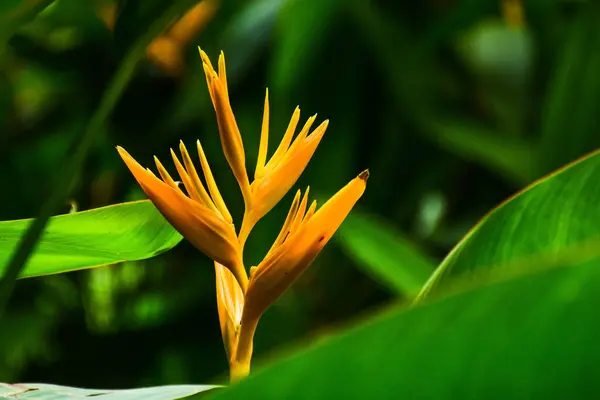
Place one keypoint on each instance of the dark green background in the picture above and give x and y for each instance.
(451, 109)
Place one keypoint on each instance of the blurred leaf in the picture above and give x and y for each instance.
(512, 157)
(558, 214)
(55, 392)
(493, 48)
(532, 337)
(570, 110)
(384, 254)
(133, 19)
(107, 235)
(247, 33)
(405, 65)
(301, 27)
(11, 20)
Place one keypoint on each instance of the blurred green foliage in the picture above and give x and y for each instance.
(452, 105)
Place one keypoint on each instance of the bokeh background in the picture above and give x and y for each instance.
(453, 105)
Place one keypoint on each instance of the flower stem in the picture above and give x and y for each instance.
(248, 223)
(239, 366)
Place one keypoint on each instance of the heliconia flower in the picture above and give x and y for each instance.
(201, 217)
(272, 179)
(230, 302)
(304, 233)
(231, 139)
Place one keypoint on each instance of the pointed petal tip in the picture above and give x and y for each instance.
(364, 175)
(124, 154)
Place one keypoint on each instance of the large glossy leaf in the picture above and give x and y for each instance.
(557, 214)
(385, 254)
(534, 337)
(526, 329)
(46, 392)
(107, 235)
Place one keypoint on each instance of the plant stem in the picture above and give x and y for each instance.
(239, 366)
(248, 222)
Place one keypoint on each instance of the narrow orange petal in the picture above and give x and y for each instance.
(211, 91)
(287, 224)
(206, 230)
(285, 141)
(300, 213)
(268, 191)
(185, 178)
(302, 135)
(195, 179)
(281, 268)
(205, 59)
(231, 139)
(223, 74)
(310, 212)
(164, 174)
(212, 184)
(230, 302)
(264, 140)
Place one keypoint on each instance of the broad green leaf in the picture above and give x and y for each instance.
(54, 392)
(123, 232)
(558, 213)
(385, 254)
(534, 337)
(569, 112)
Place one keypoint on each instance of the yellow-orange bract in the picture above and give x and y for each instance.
(202, 217)
(197, 217)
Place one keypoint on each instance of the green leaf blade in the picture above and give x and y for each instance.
(385, 254)
(556, 214)
(530, 337)
(123, 232)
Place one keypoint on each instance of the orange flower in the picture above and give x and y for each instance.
(230, 302)
(273, 179)
(231, 139)
(201, 218)
(303, 236)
